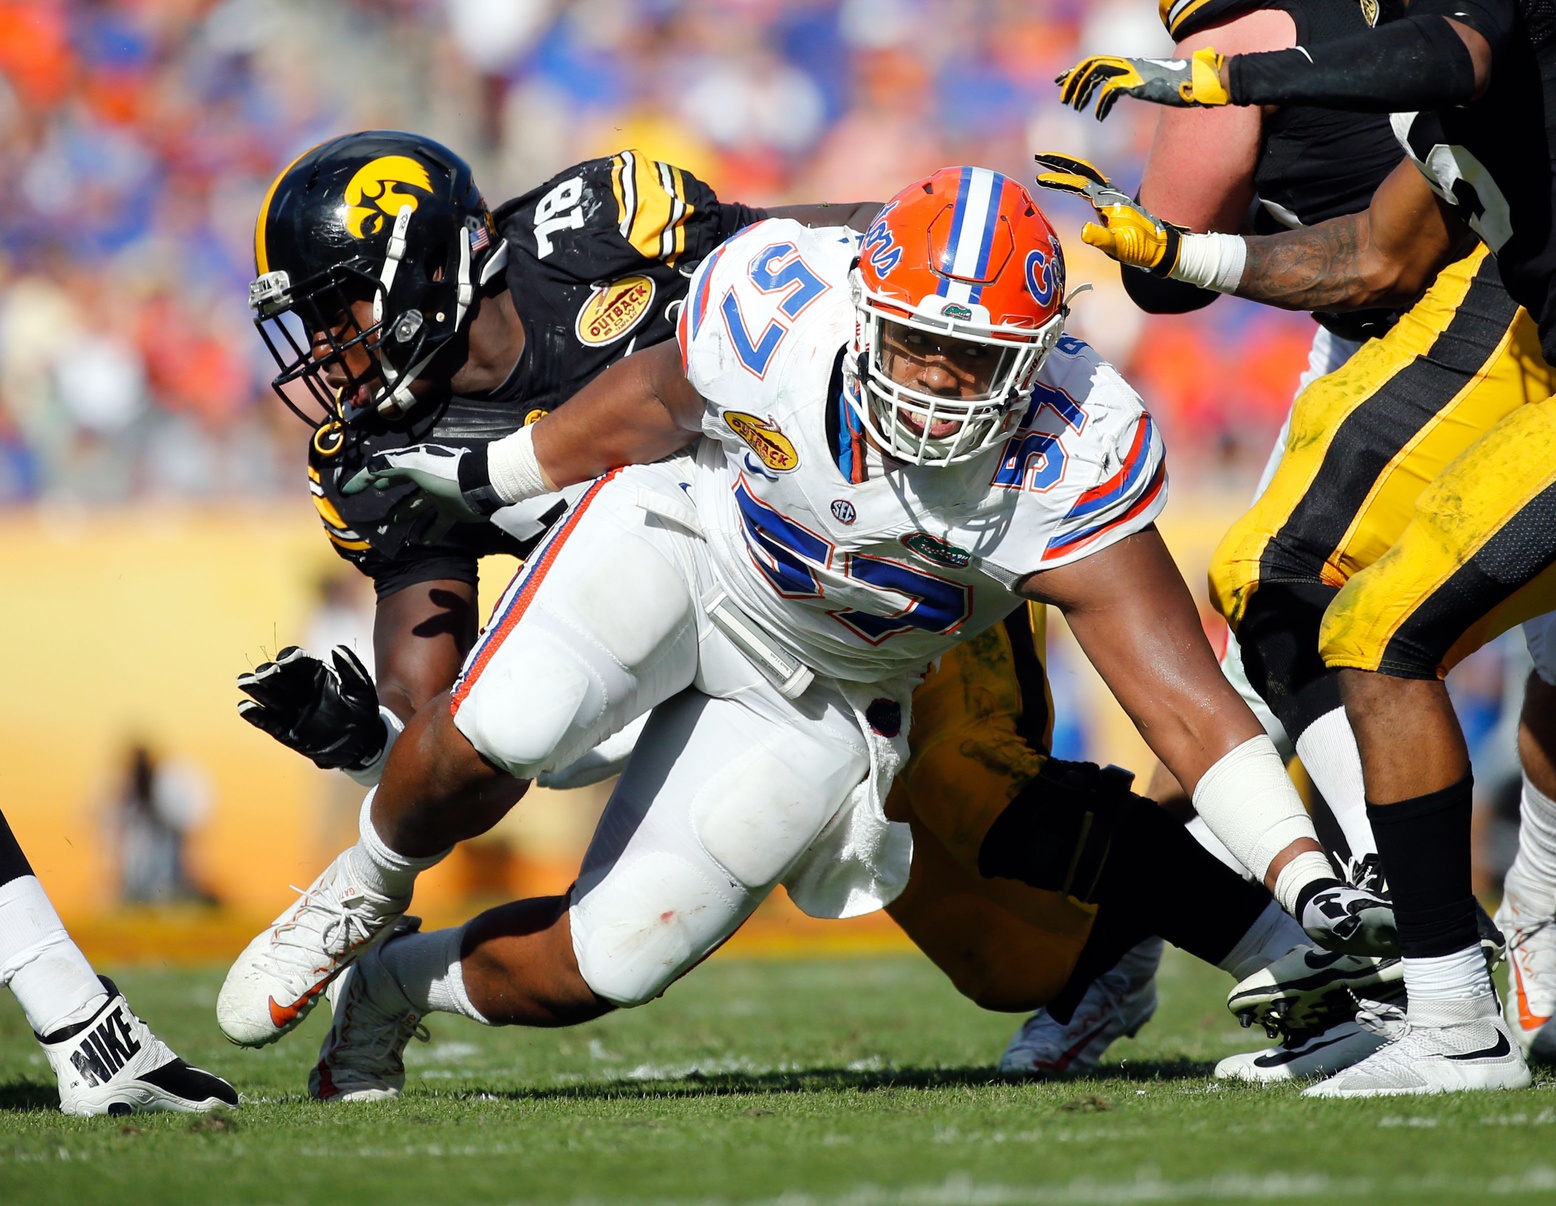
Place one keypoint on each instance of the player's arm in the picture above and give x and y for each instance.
(638, 410)
(854, 214)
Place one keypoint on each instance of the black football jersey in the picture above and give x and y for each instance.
(1495, 158)
(598, 260)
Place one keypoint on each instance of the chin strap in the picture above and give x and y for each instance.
(398, 399)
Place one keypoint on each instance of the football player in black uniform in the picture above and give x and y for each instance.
(1476, 557)
(433, 319)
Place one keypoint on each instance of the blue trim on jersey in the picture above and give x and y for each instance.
(699, 297)
(1069, 539)
(1089, 506)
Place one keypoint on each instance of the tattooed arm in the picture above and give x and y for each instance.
(1384, 256)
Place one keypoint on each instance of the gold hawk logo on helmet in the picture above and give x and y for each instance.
(772, 447)
(372, 196)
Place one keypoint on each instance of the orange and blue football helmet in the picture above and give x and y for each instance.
(962, 268)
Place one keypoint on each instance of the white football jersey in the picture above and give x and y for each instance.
(864, 572)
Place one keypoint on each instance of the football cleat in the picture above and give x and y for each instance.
(1531, 996)
(1350, 920)
(363, 1056)
(1322, 1051)
(1115, 1005)
(1366, 872)
(281, 975)
(1443, 1047)
(1309, 988)
(112, 1064)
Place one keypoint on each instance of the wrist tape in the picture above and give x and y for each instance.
(1211, 261)
(513, 468)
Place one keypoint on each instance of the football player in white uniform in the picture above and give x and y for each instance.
(898, 447)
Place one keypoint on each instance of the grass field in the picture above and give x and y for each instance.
(853, 1081)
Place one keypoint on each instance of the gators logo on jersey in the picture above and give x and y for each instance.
(933, 549)
(372, 195)
(614, 309)
(772, 447)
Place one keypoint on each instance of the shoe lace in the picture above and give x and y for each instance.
(323, 920)
(1537, 942)
(1386, 1020)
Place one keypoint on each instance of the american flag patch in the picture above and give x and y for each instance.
(479, 238)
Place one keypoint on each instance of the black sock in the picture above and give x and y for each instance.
(13, 863)
(1424, 845)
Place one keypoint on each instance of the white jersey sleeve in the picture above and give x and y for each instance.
(1089, 460)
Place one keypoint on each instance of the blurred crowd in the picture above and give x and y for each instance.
(138, 137)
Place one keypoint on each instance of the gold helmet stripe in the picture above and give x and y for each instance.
(261, 255)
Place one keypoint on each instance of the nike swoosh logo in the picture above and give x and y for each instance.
(1496, 1051)
(1275, 1060)
(284, 1015)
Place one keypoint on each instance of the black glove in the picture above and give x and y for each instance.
(328, 713)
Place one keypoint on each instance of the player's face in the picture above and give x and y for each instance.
(937, 364)
(354, 368)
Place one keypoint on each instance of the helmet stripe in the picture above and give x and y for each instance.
(973, 223)
(261, 252)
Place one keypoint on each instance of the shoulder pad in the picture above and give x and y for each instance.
(1183, 18)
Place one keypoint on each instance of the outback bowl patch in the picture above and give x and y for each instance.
(614, 309)
(932, 548)
(772, 447)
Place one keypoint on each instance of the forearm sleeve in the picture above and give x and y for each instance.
(1163, 295)
(1418, 62)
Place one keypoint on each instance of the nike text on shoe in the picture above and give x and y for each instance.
(282, 973)
(363, 1056)
(112, 1064)
(1341, 918)
(1303, 1053)
(1310, 988)
(1531, 996)
(1445, 1047)
(1114, 1006)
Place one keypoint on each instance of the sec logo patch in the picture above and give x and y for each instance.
(772, 447)
(614, 309)
(843, 510)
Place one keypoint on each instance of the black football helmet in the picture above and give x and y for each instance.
(384, 217)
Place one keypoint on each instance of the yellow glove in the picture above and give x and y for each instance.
(1128, 233)
(1181, 83)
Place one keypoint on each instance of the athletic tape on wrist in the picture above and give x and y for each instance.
(1211, 261)
(369, 775)
(1248, 801)
(513, 468)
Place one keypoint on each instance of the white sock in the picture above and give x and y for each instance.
(1532, 877)
(377, 868)
(1328, 751)
(1200, 832)
(1274, 933)
(53, 982)
(1460, 976)
(428, 971)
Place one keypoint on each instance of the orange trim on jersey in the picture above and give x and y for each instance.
(535, 571)
(1155, 488)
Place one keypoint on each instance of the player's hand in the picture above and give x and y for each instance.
(1182, 83)
(326, 712)
(454, 480)
(1127, 231)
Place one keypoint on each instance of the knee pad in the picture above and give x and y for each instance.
(636, 931)
(1279, 637)
(1056, 834)
(526, 713)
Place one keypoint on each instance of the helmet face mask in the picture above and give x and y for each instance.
(951, 329)
(368, 249)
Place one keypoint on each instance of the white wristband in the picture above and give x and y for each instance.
(1249, 802)
(1211, 261)
(513, 469)
(369, 775)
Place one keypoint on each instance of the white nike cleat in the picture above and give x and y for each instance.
(1309, 989)
(1351, 920)
(1321, 1051)
(280, 975)
(1531, 956)
(112, 1064)
(1445, 1047)
(1115, 1005)
(363, 1056)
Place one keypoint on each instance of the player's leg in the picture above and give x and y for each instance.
(1363, 443)
(1473, 562)
(1527, 914)
(599, 626)
(106, 1059)
(721, 801)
